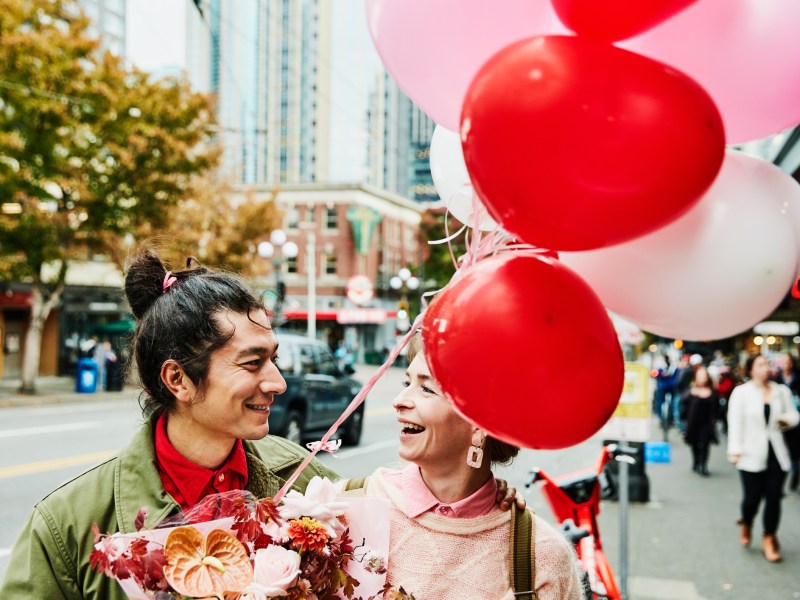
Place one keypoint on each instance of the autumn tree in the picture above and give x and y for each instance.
(87, 147)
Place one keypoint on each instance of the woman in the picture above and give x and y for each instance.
(701, 410)
(760, 410)
(448, 537)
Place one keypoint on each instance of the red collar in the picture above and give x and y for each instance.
(187, 482)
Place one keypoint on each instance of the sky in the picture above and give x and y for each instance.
(156, 42)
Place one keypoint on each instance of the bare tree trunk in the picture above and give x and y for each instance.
(43, 301)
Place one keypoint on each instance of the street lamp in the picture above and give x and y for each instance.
(403, 281)
(286, 250)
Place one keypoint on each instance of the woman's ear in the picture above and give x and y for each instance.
(177, 382)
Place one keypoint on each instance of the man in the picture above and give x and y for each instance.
(205, 355)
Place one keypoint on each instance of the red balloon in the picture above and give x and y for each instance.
(613, 20)
(501, 343)
(574, 144)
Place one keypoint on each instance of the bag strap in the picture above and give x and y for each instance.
(523, 553)
(355, 484)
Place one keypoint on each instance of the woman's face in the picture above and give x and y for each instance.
(760, 370)
(701, 377)
(432, 432)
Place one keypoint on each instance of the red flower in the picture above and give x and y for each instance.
(308, 534)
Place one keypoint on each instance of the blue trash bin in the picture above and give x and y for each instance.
(86, 376)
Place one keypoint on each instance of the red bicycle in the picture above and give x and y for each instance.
(574, 499)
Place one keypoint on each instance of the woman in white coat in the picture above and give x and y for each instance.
(758, 413)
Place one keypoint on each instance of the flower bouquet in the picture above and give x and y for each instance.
(233, 546)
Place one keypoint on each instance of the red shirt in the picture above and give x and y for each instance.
(187, 482)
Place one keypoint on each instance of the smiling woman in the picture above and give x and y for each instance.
(449, 539)
(204, 353)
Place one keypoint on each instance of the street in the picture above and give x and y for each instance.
(683, 542)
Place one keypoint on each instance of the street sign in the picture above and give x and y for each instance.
(631, 419)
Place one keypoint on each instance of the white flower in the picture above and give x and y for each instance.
(275, 570)
(319, 503)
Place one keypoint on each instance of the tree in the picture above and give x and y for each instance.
(438, 263)
(88, 148)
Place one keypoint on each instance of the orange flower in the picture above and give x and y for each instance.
(202, 567)
(308, 534)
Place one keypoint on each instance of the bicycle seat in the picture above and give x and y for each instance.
(580, 487)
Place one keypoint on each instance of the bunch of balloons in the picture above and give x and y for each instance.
(597, 130)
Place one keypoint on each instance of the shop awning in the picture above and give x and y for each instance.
(346, 316)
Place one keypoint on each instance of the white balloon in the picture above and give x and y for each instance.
(716, 271)
(452, 181)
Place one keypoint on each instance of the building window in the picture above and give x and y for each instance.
(291, 265)
(331, 218)
(329, 266)
(292, 218)
(310, 218)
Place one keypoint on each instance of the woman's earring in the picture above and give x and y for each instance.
(475, 454)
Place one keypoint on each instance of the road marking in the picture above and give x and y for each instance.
(53, 464)
(4, 552)
(366, 449)
(48, 429)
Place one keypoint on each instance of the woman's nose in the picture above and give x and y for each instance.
(403, 400)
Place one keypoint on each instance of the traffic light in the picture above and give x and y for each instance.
(402, 309)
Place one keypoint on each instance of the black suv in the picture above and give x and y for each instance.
(317, 392)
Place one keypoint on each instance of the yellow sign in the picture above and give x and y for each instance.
(631, 419)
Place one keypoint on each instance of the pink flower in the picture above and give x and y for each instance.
(319, 503)
(275, 570)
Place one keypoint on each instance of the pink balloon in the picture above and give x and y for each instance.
(714, 272)
(433, 48)
(746, 53)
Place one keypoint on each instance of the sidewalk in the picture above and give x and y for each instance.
(55, 390)
(684, 542)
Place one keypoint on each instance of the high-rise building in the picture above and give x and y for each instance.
(108, 23)
(398, 154)
(266, 63)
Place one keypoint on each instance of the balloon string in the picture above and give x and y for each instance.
(352, 407)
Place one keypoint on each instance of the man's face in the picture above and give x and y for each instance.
(242, 381)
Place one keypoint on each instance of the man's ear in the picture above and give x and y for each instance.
(178, 382)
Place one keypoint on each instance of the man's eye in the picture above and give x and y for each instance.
(274, 359)
(252, 363)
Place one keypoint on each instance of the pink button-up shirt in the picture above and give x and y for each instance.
(419, 499)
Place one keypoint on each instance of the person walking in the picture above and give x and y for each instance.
(790, 377)
(760, 410)
(700, 405)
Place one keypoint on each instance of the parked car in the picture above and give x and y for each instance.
(317, 392)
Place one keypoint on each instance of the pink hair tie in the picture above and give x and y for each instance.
(169, 279)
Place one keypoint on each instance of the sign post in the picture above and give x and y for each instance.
(629, 423)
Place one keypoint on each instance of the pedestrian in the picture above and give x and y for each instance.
(683, 378)
(448, 539)
(790, 377)
(665, 389)
(759, 411)
(726, 382)
(701, 410)
(204, 352)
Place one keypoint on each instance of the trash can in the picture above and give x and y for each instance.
(86, 376)
(114, 376)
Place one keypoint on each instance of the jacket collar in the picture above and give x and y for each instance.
(137, 483)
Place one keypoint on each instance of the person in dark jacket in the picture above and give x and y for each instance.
(789, 375)
(700, 405)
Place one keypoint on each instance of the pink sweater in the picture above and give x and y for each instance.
(441, 558)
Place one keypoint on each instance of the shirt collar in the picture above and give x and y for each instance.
(190, 481)
(419, 499)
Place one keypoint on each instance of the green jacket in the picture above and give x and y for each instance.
(50, 560)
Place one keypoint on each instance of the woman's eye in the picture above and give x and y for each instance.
(427, 390)
(406, 383)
